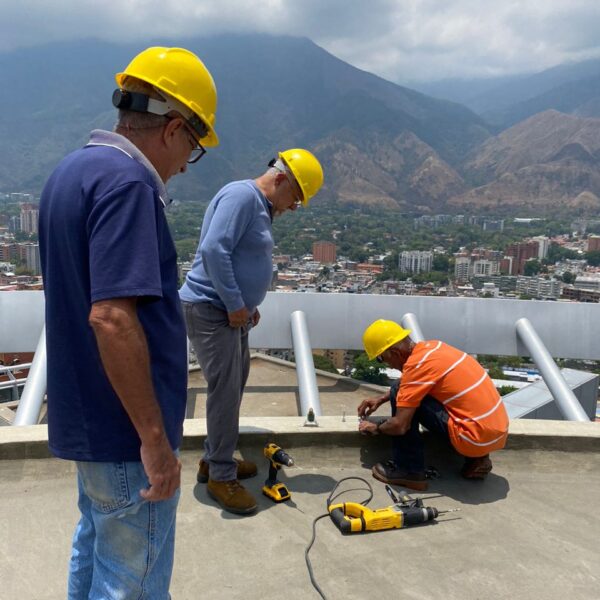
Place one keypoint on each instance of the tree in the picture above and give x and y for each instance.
(368, 370)
(441, 262)
(532, 267)
(593, 258)
(506, 389)
(496, 372)
(568, 277)
(324, 364)
(23, 270)
(557, 253)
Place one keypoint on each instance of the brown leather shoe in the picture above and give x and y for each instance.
(232, 496)
(476, 468)
(245, 469)
(389, 473)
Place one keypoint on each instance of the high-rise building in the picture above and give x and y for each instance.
(21, 197)
(9, 252)
(539, 287)
(593, 243)
(462, 268)
(486, 267)
(32, 258)
(521, 253)
(324, 252)
(29, 218)
(543, 245)
(493, 225)
(415, 261)
(14, 224)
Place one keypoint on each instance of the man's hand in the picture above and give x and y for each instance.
(163, 469)
(239, 318)
(368, 406)
(367, 427)
(255, 318)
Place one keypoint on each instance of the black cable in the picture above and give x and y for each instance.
(329, 500)
(308, 563)
(337, 484)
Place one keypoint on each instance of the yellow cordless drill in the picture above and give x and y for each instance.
(277, 459)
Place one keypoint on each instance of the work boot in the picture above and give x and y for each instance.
(232, 496)
(245, 469)
(476, 468)
(388, 472)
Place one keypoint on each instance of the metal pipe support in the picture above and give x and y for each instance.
(305, 366)
(30, 404)
(563, 395)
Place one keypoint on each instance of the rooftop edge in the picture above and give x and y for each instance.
(31, 442)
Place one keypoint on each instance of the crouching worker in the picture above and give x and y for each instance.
(442, 388)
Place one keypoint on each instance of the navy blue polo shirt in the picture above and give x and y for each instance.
(103, 234)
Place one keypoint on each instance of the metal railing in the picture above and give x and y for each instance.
(336, 321)
(13, 383)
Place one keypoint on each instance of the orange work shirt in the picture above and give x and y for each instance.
(477, 423)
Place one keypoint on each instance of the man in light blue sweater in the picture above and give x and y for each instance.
(229, 279)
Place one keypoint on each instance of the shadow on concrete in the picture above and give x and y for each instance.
(310, 483)
(445, 460)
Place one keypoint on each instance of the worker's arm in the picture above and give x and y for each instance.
(396, 425)
(125, 357)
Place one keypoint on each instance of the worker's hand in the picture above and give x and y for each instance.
(239, 318)
(366, 427)
(163, 469)
(368, 406)
(255, 318)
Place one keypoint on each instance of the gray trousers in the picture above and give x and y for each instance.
(224, 358)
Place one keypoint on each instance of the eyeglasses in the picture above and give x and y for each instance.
(293, 185)
(198, 150)
(379, 359)
(298, 197)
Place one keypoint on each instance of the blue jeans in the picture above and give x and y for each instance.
(123, 545)
(408, 450)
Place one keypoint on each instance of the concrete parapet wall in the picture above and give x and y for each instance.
(32, 441)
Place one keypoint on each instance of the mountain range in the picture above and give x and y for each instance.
(380, 143)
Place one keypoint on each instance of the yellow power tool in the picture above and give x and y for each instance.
(351, 517)
(277, 458)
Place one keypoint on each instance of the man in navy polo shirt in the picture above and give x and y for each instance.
(116, 340)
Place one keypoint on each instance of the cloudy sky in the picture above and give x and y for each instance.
(401, 40)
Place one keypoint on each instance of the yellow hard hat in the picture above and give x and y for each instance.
(381, 335)
(183, 76)
(306, 170)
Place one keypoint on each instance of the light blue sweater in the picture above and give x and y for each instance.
(233, 263)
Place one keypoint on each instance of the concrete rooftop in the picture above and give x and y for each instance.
(272, 390)
(529, 531)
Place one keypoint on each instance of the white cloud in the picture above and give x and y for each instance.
(400, 40)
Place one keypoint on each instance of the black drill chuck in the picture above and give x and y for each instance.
(282, 458)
